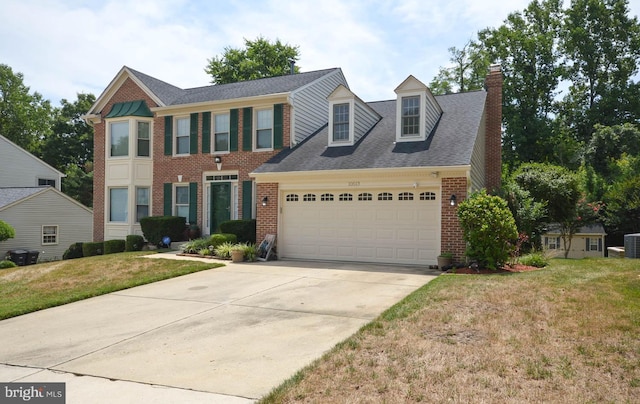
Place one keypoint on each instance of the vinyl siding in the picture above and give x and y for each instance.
(432, 114)
(478, 161)
(31, 168)
(50, 208)
(310, 105)
(364, 119)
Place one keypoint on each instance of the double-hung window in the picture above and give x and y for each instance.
(118, 203)
(49, 235)
(221, 133)
(341, 122)
(410, 125)
(264, 129)
(142, 203)
(181, 206)
(182, 135)
(119, 138)
(143, 138)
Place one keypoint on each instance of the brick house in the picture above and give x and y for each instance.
(334, 177)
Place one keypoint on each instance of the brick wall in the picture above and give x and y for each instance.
(267, 216)
(451, 233)
(493, 137)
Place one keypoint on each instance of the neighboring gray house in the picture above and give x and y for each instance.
(32, 171)
(44, 219)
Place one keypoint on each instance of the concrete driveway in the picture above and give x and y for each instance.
(228, 334)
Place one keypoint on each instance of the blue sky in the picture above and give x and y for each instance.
(67, 47)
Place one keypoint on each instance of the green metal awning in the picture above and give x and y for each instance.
(130, 108)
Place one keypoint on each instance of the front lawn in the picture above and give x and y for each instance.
(36, 287)
(568, 333)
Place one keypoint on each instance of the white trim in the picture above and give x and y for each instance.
(350, 141)
(421, 118)
(56, 234)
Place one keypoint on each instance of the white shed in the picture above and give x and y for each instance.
(587, 242)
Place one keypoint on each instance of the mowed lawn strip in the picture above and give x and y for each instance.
(36, 287)
(568, 333)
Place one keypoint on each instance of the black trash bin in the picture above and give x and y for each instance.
(19, 257)
(32, 257)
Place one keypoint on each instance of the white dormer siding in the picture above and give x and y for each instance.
(346, 110)
(417, 111)
(309, 105)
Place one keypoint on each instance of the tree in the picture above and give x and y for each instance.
(6, 231)
(526, 46)
(528, 213)
(601, 46)
(622, 213)
(25, 118)
(259, 59)
(488, 228)
(608, 144)
(470, 66)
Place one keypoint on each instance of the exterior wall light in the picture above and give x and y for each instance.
(218, 161)
(264, 201)
(452, 200)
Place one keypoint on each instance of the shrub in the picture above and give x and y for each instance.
(195, 246)
(92, 248)
(245, 230)
(536, 259)
(250, 251)
(489, 229)
(134, 242)
(6, 231)
(219, 238)
(155, 228)
(114, 246)
(74, 251)
(224, 250)
(7, 264)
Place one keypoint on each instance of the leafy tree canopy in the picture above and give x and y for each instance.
(6, 231)
(260, 58)
(467, 72)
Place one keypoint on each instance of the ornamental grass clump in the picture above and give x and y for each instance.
(489, 229)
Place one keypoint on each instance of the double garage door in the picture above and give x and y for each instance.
(386, 226)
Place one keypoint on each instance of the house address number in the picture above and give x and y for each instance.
(354, 183)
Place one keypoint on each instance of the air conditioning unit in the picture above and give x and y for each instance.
(632, 245)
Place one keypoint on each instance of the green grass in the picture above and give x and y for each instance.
(36, 287)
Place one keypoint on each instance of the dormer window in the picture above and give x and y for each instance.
(341, 122)
(410, 116)
(417, 111)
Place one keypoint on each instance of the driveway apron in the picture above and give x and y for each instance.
(228, 334)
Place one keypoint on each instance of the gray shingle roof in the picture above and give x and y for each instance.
(172, 95)
(9, 195)
(450, 144)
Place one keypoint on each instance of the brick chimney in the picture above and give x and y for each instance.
(493, 128)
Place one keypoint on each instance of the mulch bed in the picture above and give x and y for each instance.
(485, 271)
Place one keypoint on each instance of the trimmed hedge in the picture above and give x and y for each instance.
(114, 246)
(74, 251)
(245, 230)
(155, 228)
(92, 248)
(220, 238)
(134, 242)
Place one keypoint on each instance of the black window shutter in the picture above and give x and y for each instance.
(278, 126)
(247, 119)
(600, 244)
(168, 135)
(193, 203)
(588, 246)
(247, 198)
(206, 132)
(168, 193)
(193, 134)
(233, 130)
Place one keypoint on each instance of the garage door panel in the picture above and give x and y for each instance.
(395, 231)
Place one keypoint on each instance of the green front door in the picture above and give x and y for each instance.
(220, 204)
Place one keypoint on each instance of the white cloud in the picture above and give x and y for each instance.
(63, 48)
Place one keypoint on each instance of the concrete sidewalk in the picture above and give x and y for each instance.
(228, 334)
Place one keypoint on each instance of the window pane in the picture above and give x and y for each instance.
(118, 205)
(143, 139)
(264, 119)
(119, 139)
(264, 139)
(222, 123)
(182, 195)
(142, 196)
(341, 122)
(263, 129)
(182, 136)
(410, 116)
(222, 142)
(182, 211)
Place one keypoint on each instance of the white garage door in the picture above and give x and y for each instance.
(392, 226)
